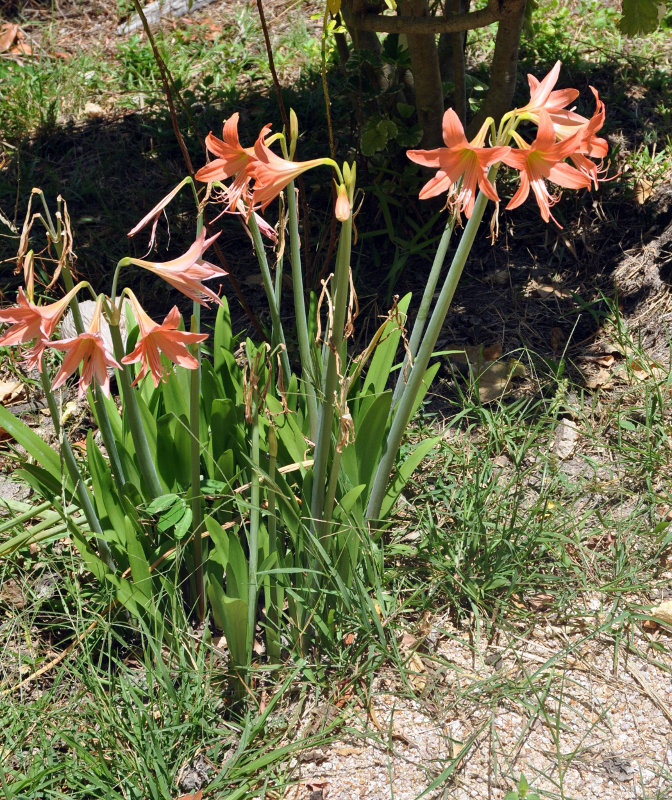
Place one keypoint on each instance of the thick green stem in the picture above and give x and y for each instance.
(101, 410)
(403, 411)
(274, 600)
(81, 491)
(330, 499)
(132, 414)
(305, 350)
(425, 304)
(278, 332)
(335, 341)
(253, 541)
(195, 468)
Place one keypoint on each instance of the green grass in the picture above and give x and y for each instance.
(212, 64)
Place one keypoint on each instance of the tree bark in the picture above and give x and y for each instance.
(426, 76)
(504, 65)
(451, 59)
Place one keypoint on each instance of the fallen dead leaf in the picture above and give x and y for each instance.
(69, 411)
(494, 379)
(663, 611)
(642, 371)
(11, 593)
(547, 291)
(13, 40)
(11, 392)
(195, 796)
(8, 33)
(565, 439)
(596, 378)
(643, 190)
(417, 672)
(558, 339)
(93, 110)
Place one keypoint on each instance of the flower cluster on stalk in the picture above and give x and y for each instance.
(462, 166)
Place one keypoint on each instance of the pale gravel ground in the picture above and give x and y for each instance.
(552, 703)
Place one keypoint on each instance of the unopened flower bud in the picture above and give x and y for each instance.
(342, 209)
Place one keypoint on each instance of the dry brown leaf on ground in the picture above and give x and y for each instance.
(195, 796)
(566, 437)
(547, 291)
(663, 611)
(643, 190)
(11, 392)
(558, 339)
(13, 40)
(596, 377)
(640, 370)
(494, 378)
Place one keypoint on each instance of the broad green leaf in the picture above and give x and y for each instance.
(108, 503)
(35, 447)
(290, 435)
(404, 472)
(220, 541)
(369, 437)
(175, 392)
(137, 561)
(237, 578)
(424, 386)
(166, 453)
(223, 335)
(234, 625)
(378, 373)
(640, 17)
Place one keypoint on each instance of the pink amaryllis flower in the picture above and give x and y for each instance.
(153, 215)
(544, 160)
(87, 349)
(543, 97)
(155, 339)
(187, 272)
(31, 322)
(459, 159)
(272, 173)
(232, 161)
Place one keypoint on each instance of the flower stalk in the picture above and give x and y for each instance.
(403, 410)
(278, 334)
(305, 351)
(83, 496)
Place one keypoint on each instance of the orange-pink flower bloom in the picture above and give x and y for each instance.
(29, 322)
(232, 161)
(544, 160)
(155, 213)
(87, 349)
(187, 272)
(544, 98)
(155, 339)
(272, 173)
(459, 159)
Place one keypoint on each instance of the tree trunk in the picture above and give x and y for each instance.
(426, 76)
(451, 59)
(504, 65)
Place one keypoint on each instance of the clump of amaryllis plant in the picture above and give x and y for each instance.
(334, 424)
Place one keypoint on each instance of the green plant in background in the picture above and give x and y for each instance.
(522, 791)
(243, 476)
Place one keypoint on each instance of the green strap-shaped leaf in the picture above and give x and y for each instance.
(37, 448)
(403, 473)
